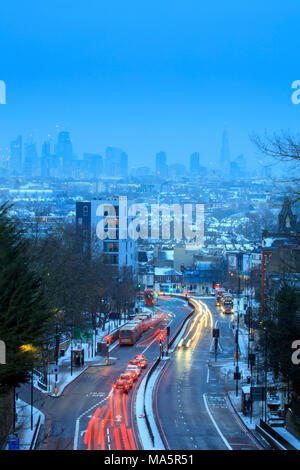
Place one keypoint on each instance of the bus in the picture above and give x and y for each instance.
(219, 295)
(129, 334)
(227, 303)
(148, 297)
(144, 320)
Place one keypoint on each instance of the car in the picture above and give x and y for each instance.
(121, 384)
(129, 376)
(134, 368)
(134, 362)
(141, 360)
(133, 373)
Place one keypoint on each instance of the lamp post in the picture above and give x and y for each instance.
(265, 374)
(31, 401)
(107, 339)
(29, 348)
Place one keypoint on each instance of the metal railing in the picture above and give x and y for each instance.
(153, 368)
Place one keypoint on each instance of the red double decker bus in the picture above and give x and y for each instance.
(144, 320)
(129, 334)
(148, 297)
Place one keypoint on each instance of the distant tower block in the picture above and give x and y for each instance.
(225, 153)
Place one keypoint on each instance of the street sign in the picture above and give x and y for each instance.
(257, 392)
(216, 333)
(53, 368)
(252, 358)
(237, 376)
(14, 444)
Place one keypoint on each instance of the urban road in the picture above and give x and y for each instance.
(191, 402)
(89, 414)
(190, 399)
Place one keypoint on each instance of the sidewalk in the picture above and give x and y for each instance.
(64, 377)
(253, 422)
(23, 425)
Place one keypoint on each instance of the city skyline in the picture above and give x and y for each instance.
(149, 79)
(52, 146)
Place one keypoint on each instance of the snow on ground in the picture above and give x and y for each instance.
(142, 398)
(288, 437)
(249, 422)
(23, 423)
(64, 377)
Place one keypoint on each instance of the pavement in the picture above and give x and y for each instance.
(72, 418)
(26, 434)
(191, 401)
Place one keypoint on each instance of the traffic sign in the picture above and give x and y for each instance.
(257, 393)
(252, 357)
(216, 333)
(14, 444)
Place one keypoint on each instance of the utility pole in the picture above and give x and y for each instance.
(107, 339)
(216, 334)
(168, 334)
(237, 374)
(31, 401)
(265, 375)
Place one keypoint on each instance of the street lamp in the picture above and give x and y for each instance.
(108, 340)
(25, 348)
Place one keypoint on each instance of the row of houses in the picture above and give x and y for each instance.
(177, 269)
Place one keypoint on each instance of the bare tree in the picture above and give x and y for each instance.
(283, 147)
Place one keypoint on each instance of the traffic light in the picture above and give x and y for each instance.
(107, 339)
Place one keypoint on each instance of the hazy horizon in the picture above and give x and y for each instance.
(149, 78)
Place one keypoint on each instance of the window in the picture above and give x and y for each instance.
(85, 211)
(111, 259)
(111, 247)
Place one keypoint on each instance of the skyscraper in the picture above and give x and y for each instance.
(112, 161)
(65, 153)
(225, 154)
(45, 160)
(116, 162)
(195, 164)
(15, 162)
(124, 164)
(93, 165)
(161, 168)
(118, 251)
(31, 161)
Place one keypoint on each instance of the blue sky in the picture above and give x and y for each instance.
(149, 76)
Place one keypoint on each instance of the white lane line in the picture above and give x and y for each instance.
(75, 446)
(155, 339)
(214, 423)
(76, 435)
(207, 378)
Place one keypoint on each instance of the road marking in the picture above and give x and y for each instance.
(214, 423)
(207, 378)
(82, 414)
